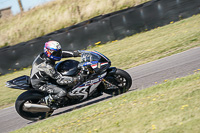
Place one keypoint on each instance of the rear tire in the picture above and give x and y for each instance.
(33, 97)
(121, 79)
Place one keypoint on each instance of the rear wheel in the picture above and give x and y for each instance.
(33, 97)
(117, 83)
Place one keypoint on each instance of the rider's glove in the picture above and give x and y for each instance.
(80, 66)
(80, 78)
(77, 54)
(65, 80)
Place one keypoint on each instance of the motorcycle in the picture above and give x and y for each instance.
(31, 106)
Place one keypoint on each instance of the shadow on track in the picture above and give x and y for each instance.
(80, 105)
(86, 103)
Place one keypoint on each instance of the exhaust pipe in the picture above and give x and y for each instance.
(35, 107)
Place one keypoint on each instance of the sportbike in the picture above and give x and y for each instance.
(31, 105)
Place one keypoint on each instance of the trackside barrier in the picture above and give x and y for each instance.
(104, 28)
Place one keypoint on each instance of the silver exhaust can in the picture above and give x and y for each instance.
(29, 107)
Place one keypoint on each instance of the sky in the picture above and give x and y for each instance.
(27, 4)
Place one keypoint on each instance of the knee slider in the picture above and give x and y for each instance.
(62, 93)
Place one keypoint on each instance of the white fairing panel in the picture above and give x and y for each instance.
(82, 89)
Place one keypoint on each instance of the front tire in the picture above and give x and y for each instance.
(32, 97)
(121, 80)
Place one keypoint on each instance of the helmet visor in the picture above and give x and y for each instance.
(57, 53)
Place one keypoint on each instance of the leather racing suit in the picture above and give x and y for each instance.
(44, 77)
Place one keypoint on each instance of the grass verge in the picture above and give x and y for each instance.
(169, 107)
(132, 51)
(56, 15)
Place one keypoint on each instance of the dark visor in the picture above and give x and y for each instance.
(57, 53)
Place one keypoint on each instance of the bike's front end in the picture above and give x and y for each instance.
(115, 81)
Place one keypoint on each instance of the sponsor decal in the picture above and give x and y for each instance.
(94, 66)
(94, 81)
(104, 63)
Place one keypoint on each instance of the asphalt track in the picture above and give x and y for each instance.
(143, 76)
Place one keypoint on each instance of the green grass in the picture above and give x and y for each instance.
(170, 107)
(155, 44)
(132, 51)
(56, 15)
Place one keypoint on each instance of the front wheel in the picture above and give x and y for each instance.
(117, 83)
(32, 97)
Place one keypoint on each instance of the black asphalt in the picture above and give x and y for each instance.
(143, 76)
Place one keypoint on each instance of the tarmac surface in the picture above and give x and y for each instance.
(143, 76)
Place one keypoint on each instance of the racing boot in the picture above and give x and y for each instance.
(49, 101)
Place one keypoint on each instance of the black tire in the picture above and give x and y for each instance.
(33, 97)
(121, 79)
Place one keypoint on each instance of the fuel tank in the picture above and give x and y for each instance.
(68, 67)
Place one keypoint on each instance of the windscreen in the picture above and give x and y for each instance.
(87, 56)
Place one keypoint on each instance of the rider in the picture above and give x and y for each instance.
(43, 71)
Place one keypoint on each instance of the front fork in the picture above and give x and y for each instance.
(109, 85)
(110, 72)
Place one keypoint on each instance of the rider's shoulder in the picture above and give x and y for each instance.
(42, 58)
